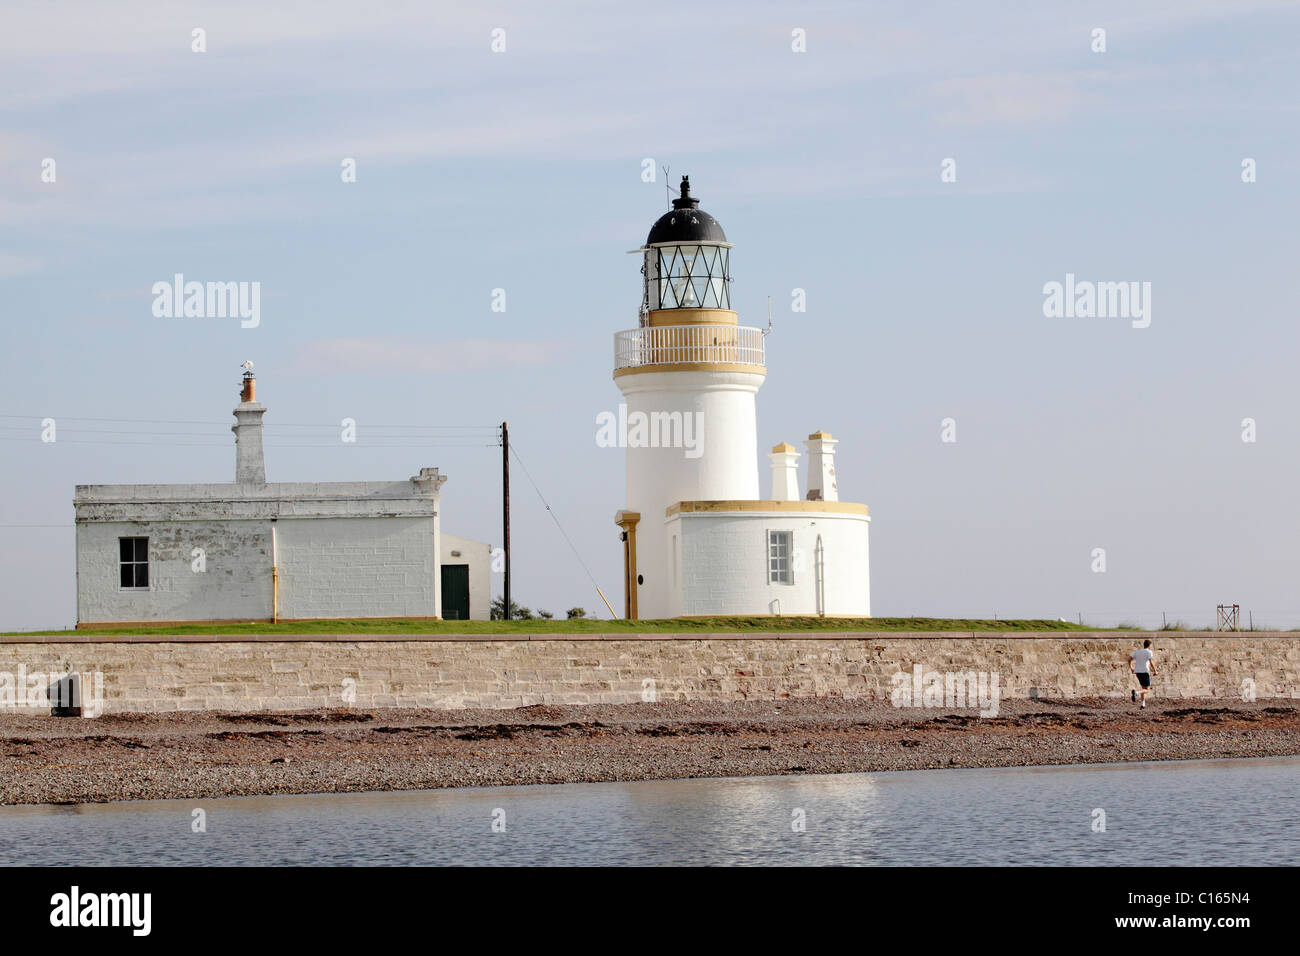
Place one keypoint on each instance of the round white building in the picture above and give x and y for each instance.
(697, 538)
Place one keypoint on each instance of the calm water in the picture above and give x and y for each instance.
(1192, 812)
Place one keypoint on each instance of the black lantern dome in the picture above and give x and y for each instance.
(687, 259)
(687, 222)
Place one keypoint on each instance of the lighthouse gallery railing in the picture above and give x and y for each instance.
(679, 344)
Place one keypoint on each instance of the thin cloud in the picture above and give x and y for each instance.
(11, 265)
(1011, 98)
(381, 354)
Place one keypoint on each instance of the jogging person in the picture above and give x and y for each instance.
(1142, 663)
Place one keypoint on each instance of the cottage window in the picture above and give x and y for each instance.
(779, 569)
(133, 554)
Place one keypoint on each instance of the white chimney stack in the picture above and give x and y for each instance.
(250, 463)
(785, 472)
(821, 467)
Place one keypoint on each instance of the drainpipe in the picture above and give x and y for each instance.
(275, 576)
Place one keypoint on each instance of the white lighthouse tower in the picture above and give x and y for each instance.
(697, 539)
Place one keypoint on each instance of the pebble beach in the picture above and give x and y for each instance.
(49, 760)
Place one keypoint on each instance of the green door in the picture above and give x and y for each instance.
(455, 592)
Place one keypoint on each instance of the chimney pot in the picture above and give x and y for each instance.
(250, 461)
(821, 467)
(785, 472)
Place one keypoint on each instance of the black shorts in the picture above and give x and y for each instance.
(1144, 680)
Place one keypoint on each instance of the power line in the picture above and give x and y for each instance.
(137, 421)
(369, 429)
(229, 444)
(178, 421)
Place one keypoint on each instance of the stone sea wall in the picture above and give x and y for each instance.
(300, 672)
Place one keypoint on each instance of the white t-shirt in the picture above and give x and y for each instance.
(1140, 658)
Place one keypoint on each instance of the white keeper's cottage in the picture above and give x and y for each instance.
(697, 538)
(257, 551)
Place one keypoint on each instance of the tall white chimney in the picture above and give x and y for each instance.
(821, 467)
(250, 462)
(785, 472)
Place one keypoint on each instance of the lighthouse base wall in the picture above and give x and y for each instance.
(722, 563)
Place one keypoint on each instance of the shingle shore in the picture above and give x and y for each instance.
(202, 755)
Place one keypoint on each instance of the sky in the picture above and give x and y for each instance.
(816, 133)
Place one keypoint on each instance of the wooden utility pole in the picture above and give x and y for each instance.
(505, 506)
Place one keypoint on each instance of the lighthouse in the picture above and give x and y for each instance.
(697, 538)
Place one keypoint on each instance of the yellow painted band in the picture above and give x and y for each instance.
(770, 507)
(694, 367)
(662, 317)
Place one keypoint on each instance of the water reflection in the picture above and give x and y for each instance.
(1177, 813)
